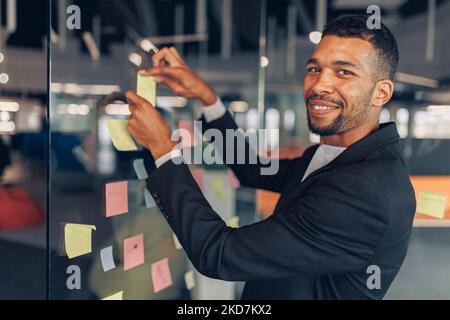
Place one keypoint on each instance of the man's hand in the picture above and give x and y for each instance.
(181, 79)
(148, 127)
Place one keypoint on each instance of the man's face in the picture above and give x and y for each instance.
(339, 85)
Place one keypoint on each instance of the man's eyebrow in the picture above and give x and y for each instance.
(312, 61)
(339, 63)
(342, 63)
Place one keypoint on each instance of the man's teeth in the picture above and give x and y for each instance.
(316, 107)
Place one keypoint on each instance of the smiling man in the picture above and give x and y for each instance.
(342, 225)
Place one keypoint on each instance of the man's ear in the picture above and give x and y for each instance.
(382, 93)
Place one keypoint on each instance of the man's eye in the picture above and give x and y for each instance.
(345, 72)
(313, 70)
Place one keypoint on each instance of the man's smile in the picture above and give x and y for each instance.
(321, 108)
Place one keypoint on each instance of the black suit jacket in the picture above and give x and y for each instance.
(325, 231)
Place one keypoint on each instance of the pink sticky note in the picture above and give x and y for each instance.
(161, 275)
(233, 180)
(187, 133)
(116, 198)
(197, 173)
(133, 252)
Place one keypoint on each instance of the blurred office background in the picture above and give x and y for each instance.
(58, 156)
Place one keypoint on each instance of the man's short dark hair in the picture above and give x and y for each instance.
(382, 40)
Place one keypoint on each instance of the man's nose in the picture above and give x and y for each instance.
(324, 84)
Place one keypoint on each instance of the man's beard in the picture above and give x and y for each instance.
(341, 123)
(334, 128)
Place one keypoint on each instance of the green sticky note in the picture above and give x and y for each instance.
(432, 204)
(120, 137)
(146, 88)
(78, 239)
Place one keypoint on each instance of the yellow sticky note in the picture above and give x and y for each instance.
(119, 134)
(115, 296)
(234, 222)
(219, 189)
(78, 239)
(146, 88)
(432, 203)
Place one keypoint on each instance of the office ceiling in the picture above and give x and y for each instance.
(361, 4)
(122, 16)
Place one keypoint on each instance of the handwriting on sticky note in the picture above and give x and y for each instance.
(78, 239)
(234, 222)
(234, 182)
(115, 296)
(161, 277)
(140, 170)
(177, 242)
(187, 134)
(219, 189)
(120, 137)
(432, 204)
(197, 173)
(133, 252)
(189, 280)
(149, 201)
(116, 195)
(146, 88)
(106, 256)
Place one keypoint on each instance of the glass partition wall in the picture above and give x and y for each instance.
(103, 224)
(23, 149)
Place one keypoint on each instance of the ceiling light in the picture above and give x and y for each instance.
(171, 102)
(91, 45)
(238, 106)
(417, 80)
(135, 59)
(9, 106)
(4, 78)
(315, 37)
(438, 109)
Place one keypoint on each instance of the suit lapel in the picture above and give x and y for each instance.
(298, 175)
(386, 134)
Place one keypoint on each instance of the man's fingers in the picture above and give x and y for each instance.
(135, 99)
(175, 52)
(130, 128)
(173, 85)
(165, 54)
(175, 73)
(132, 107)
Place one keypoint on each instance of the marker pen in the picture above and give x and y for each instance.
(153, 49)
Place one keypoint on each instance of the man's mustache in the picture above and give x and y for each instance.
(311, 97)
